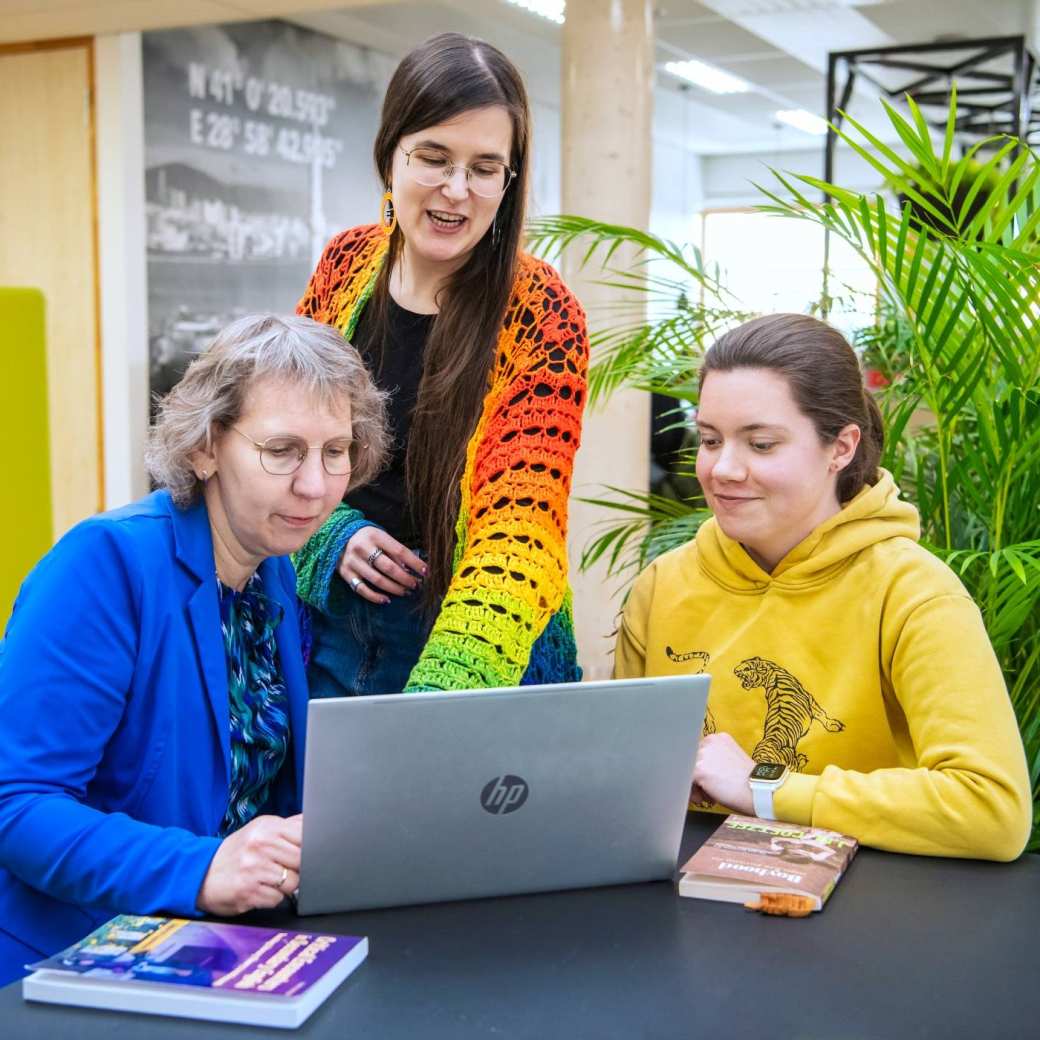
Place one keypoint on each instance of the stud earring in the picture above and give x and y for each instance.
(388, 215)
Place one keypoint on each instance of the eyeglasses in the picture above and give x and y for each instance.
(282, 456)
(487, 178)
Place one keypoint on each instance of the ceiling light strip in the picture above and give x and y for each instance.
(707, 76)
(802, 120)
(553, 10)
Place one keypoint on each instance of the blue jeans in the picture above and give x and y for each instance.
(367, 649)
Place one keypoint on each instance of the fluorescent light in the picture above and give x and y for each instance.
(551, 9)
(708, 77)
(802, 120)
(733, 9)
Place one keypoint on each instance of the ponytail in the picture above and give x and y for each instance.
(863, 469)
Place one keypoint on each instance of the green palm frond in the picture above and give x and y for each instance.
(665, 307)
(550, 236)
(653, 525)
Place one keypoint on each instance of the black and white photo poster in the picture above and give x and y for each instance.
(258, 148)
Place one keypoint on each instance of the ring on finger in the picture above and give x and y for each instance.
(354, 583)
(282, 880)
(373, 556)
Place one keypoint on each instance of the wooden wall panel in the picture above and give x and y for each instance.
(48, 241)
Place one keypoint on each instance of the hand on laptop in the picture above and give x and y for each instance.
(254, 868)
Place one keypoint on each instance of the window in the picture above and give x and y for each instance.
(774, 264)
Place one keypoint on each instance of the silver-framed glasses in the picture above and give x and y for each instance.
(283, 455)
(430, 167)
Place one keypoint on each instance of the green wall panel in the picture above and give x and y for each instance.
(25, 472)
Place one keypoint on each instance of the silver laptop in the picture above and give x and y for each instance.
(423, 797)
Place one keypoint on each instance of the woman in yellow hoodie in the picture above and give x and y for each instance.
(853, 684)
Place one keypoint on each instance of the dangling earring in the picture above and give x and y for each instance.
(496, 235)
(388, 215)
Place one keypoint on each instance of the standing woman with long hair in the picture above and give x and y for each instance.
(450, 570)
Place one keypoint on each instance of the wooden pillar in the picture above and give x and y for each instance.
(607, 106)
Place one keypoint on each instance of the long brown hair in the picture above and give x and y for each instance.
(826, 382)
(447, 75)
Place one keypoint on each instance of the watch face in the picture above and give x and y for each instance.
(767, 771)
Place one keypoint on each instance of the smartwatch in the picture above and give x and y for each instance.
(765, 778)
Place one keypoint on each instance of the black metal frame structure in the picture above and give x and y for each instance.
(989, 101)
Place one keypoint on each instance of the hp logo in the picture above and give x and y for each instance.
(504, 794)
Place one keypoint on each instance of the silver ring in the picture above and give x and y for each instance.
(354, 583)
(282, 880)
(373, 556)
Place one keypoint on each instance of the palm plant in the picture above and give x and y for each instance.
(669, 307)
(958, 275)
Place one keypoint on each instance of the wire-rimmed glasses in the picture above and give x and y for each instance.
(282, 455)
(431, 168)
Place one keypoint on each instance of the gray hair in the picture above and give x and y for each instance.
(213, 391)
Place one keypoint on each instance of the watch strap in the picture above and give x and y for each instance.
(762, 799)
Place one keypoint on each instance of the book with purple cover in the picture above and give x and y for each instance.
(747, 856)
(198, 969)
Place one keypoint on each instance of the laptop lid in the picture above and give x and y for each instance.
(422, 797)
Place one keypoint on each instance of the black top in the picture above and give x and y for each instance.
(396, 365)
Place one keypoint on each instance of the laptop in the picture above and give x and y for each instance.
(424, 797)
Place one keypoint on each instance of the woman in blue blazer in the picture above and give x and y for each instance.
(152, 683)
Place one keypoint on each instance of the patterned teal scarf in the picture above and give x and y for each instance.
(256, 698)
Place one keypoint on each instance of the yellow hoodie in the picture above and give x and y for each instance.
(862, 663)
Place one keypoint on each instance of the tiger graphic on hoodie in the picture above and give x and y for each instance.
(790, 710)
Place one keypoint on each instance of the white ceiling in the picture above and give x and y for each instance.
(779, 46)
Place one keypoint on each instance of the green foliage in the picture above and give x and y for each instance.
(653, 525)
(884, 347)
(662, 322)
(671, 307)
(958, 274)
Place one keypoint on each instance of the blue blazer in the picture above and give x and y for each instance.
(114, 729)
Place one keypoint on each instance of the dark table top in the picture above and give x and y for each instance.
(906, 947)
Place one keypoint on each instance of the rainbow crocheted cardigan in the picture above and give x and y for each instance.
(506, 618)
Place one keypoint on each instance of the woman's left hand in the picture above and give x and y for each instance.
(722, 772)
